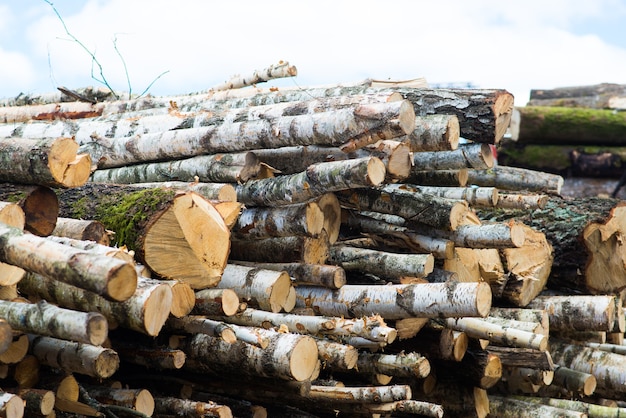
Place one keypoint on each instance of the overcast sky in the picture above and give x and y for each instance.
(517, 46)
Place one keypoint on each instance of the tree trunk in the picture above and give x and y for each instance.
(594, 96)
(80, 229)
(392, 266)
(215, 168)
(75, 357)
(517, 179)
(165, 229)
(186, 408)
(43, 162)
(39, 203)
(288, 356)
(560, 125)
(266, 289)
(399, 301)
(330, 276)
(317, 180)
(145, 311)
(281, 70)
(577, 312)
(111, 278)
(417, 207)
(595, 265)
(46, 319)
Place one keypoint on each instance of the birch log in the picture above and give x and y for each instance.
(75, 357)
(399, 301)
(46, 319)
(214, 168)
(381, 263)
(145, 311)
(416, 207)
(164, 228)
(477, 156)
(327, 275)
(280, 70)
(577, 312)
(504, 407)
(446, 178)
(288, 356)
(39, 203)
(11, 405)
(39, 402)
(516, 179)
(318, 179)
(187, 408)
(112, 278)
(305, 219)
(434, 133)
(81, 229)
(575, 381)
(404, 365)
(288, 249)
(223, 192)
(267, 289)
(216, 302)
(44, 162)
(13, 216)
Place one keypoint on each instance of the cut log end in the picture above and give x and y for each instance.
(280, 292)
(106, 364)
(144, 402)
(483, 299)
(183, 300)
(12, 405)
(518, 235)
(376, 171)
(452, 133)
(503, 110)
(329, 204)
(154, 313)
(486, 155)
(314, 219)
(303, 359)
(406, 117)
(123, 284)
(98, 329)
(458, 214)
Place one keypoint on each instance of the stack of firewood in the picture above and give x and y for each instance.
(307, 252)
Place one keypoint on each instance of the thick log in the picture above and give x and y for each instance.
(145, 311)
(75, 357)
(416, 207)
(266, 289)
(384, 264)
(214, 168)
(561, 125)
(280, 70)
(288, 356)
(223, 192)
(39, 203)
(186, 408)
(595, 265)
(165, 229)
(46, 319)
(428, 300)
(318, 179)
(38, 402)
(300, 249)
(607, 368)
(578, 312)
(516, 179)
(306, 219)
(597, 96)
(508, 407)
(43, 162)
(327, 275)
(112, 278)
(82, 229)
(216, 302)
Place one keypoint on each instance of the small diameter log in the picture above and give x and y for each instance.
(443, 344)
(39, 402)
(45, 162)
(385, 264)
(525, 314)
(318, 179)
(159, 358)
(223, 192)
(145, 311)
(577, 312)
(477, 156)
(459, 399)
(75, 357)
(587, 409)
(114, 279)
(336, 356)
(521, 201)
(289, 249)
(448, 178)
(186, 408)
(327, 275)
(39, 203)
(474, 196)
(486, 235)
(11, 405)
(420, 408)
(288, 356)
(215, 168)
(479, 328)
(64, 384)
(574, 381)
(434, 133)
(280, 70)
(86, 230)
(523, 357)
(404, 365)
(140, 400)
(608, 368)
(164, 228)
(428, 300)
(417, 207)
(11, 215)
(95, 248)
(17, 350)
(478, 368)
(266, 289)
(183, 298)
(306, 219)
(609, 348)
(46, 319)
(508, 407)
(216, 302)
(376, 394)
(516, 179)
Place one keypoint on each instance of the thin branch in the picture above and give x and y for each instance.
(119, 54)
(153, 81)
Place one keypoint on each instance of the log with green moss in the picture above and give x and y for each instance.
(597, 96)
(166, 229)
(586, 236)
(563, 125)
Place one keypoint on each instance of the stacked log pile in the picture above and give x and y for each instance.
(311, 252)
(572, 131)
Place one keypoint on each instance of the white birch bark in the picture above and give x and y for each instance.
(280, 70)
(477, 156)
(381, 263)
(516, 179)
(578, 312)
